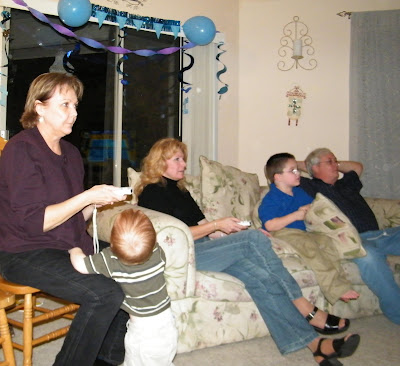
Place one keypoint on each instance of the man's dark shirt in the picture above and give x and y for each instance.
(345, 193)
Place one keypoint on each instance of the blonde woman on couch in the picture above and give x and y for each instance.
(245, 254)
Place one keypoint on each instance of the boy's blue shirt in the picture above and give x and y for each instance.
(277, 204)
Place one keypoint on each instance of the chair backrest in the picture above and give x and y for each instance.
(2, 144)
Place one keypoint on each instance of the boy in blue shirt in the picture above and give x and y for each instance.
(282, 212)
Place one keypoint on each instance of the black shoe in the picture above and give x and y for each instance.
(331, 325)
(342, 348)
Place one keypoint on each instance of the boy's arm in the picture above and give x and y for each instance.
(279, 223)
(78, 260)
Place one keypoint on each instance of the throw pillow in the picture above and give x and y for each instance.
(227, 191)
(133, 179)
(325, 217)
(193, 185)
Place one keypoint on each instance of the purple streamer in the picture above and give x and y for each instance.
(20, 2)
(93, 43)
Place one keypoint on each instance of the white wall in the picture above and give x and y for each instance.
(263, 124)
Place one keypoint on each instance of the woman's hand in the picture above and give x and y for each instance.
(100, 195)
(103, 195)
(229, 225)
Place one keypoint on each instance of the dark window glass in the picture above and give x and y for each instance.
(150, 103)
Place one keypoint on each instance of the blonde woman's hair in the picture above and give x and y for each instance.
(42, 89)
(155, 163)
(132, 237)
(314, 158)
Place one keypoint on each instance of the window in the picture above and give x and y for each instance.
(114, 129)
(149, 103)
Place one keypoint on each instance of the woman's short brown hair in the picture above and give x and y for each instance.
(132, 237)
(42, 89)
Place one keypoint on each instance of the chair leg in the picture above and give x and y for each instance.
(28, 332)
(8, 349)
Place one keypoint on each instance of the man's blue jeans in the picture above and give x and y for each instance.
(248, 255)
(99, 326)
(375, 270)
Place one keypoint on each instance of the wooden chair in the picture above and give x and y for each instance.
(6, 299)
(2, 144)
(30, 319)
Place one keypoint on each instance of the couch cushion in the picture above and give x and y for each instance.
(193, 185)
(325, 217)
(387, 211)
(227, 191)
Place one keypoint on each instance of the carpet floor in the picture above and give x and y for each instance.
(380, 345)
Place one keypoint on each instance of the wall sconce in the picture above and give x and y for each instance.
(296, 47)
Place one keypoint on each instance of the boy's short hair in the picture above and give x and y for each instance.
(132, 237)
(275, 165)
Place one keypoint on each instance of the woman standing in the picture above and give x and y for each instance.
(245, 254)
(43, 213)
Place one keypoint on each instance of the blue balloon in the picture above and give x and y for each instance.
(74, 13)
(200, 30)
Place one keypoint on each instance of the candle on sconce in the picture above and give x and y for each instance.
(297, 49)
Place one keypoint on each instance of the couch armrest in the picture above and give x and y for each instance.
(173, 236)
(387, 211)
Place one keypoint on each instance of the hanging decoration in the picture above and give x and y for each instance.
(74, 13)
(186, 68)
(122, 34)
(124, 74)
(295, 99)
(67, 66)
(199, 30)
(296, 47)
(95, 44)
(6, 34)
(122, 18)
(224, 88)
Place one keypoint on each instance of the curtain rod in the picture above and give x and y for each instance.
(344, 14)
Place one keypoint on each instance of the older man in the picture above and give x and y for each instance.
(324, 169)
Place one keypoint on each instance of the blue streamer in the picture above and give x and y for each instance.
(68, 55)
(124, 74)
(224, 88)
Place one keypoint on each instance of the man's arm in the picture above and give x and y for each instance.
(301, 165)
(344, 167)
(348, 166)
(78, 260)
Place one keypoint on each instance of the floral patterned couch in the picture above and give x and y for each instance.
(215, 308)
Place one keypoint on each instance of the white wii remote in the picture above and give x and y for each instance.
(126, 191)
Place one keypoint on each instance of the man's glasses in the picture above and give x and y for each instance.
(329, 162)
